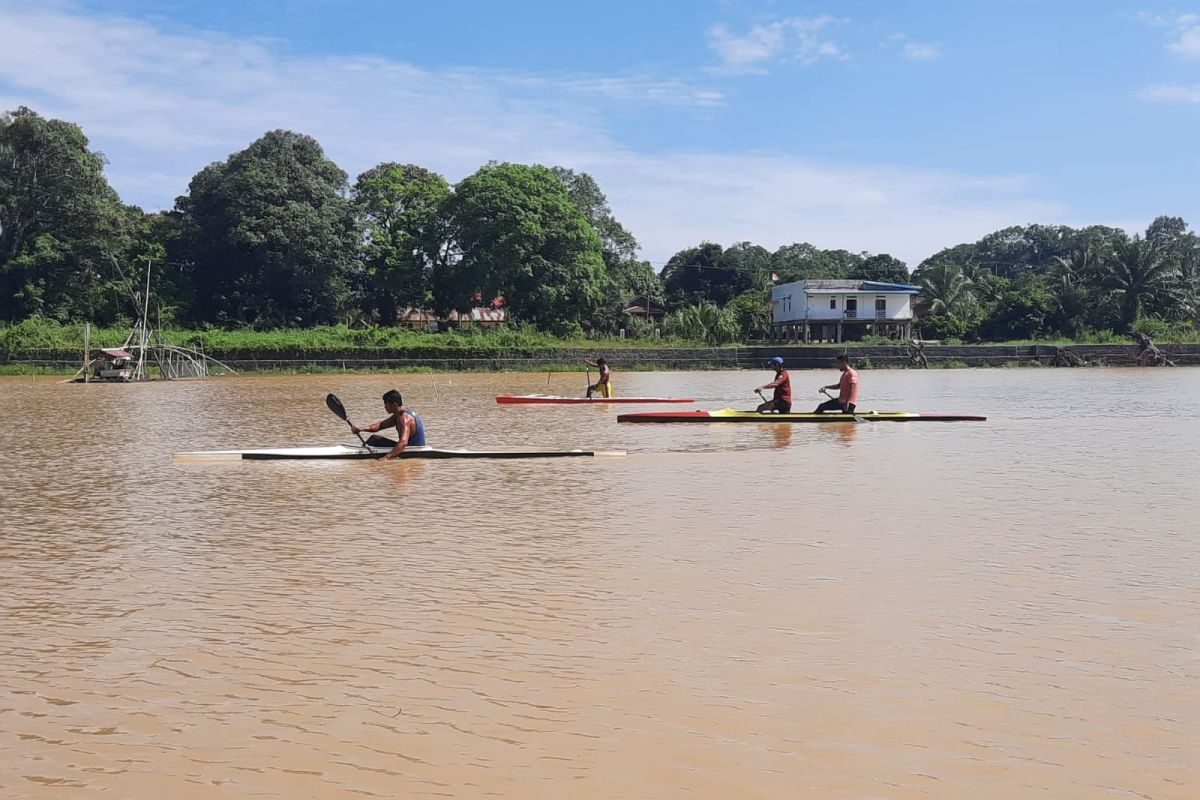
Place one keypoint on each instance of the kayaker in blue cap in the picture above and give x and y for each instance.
(781, 401)
(408, 425)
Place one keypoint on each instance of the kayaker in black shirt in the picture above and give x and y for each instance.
(409, 428)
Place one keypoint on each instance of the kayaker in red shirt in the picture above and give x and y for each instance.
(781, 401)
(847, 387)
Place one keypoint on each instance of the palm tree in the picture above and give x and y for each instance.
(1067, 280)
(1189, 279)
(946, 290)
(1138, 270)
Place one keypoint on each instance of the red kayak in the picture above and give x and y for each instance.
(519, 399)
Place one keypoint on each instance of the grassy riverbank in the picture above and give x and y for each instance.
(37, 347)
(41, 334)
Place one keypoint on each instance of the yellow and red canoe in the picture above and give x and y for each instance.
(731, 415)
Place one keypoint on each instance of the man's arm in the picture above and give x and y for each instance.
(404, 430)
(374, 426)
(770, 385)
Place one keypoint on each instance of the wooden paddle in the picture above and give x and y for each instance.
(761, 396)
(336, 407)
(588, 367)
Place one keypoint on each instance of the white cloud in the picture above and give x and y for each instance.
(161, 104)
(795, 39)
(914, 51)
(1187, 45)
(1185, 33)
(1171, 93)
(677, 200)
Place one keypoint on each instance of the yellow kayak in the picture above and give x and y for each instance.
(732, 415)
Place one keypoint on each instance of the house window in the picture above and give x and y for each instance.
(833, 302)
(881, 304)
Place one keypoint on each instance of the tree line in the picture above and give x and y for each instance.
(276, 235)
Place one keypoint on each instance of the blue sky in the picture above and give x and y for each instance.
(899, 127)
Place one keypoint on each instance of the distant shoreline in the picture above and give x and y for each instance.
(58, 361)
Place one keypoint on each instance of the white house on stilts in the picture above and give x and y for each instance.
(841, 310)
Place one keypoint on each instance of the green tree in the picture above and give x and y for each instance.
(946, 290)
(1180, 298)
(273, 234)
(881, 267)
(1021, 312)
(803, 261)
(711, 274)
(1139, 270)
(947, 304)
(627, 277)
(1069, 282)
(689, 274)
(519, 236)
(399, 209)
(618, 244)
(752, 313)
(60, 221)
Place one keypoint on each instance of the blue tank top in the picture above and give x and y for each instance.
(418, 436)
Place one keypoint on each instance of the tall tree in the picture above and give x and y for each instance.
(1139, 270)
(803, 261)
(881, 267)
(273, 234)
(60, 221)
(626, 277)
(1069, 283)
(690, 274)
(519, 236)
(399, 208)
(710, 274)
(946, 290)
(617, 243)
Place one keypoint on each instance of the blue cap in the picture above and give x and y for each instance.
(776, 361)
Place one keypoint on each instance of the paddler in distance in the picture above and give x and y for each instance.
(409, 428)
(603, 384)
(847, 387)
(781, 400)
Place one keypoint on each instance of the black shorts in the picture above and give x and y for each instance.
(834, 405)
(783, 406)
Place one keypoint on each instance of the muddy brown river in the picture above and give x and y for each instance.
(1008, 609)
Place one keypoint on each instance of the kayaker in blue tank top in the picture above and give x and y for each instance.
(409, 428)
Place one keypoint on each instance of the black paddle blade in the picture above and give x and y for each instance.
(335, 405)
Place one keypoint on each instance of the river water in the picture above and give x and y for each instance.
(1007, 609)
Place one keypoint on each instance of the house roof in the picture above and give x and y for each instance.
(865, 290)
(844, 286)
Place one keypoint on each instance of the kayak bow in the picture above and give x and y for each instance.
(533, 399)
(351, 452)
(730, 415)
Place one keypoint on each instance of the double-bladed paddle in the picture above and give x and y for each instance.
(336, 407)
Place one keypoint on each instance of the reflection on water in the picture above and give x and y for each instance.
(782, 434)
(992, 610)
